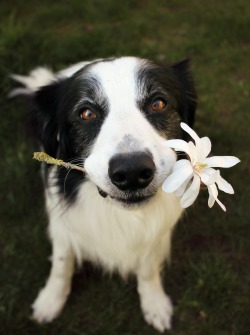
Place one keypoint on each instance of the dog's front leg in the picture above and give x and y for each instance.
(156, 305)
(53, 296)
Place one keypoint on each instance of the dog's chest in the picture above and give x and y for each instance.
(101, 231)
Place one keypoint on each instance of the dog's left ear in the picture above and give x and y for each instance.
(188, 92)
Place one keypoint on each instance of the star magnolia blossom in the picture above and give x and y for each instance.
(187, 175)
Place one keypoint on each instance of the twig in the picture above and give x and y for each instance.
(43, 157)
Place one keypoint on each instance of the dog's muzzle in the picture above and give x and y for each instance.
(131, 174)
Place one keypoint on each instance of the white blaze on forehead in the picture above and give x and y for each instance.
(125, 128)
(118, 82)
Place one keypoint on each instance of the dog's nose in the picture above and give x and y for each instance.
(131, 171)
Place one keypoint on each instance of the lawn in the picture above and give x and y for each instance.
(209, 276)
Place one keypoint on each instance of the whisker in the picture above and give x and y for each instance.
(74, 160)
(79, 158)
(79, 164)
(64, 184)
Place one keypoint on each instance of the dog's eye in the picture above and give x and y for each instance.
(87, 114)
(158, 105)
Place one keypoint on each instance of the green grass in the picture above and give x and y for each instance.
(209, 277)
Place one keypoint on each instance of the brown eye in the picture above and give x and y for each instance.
(158, 105)
(87, 114)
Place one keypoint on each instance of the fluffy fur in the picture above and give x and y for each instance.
(116, 215)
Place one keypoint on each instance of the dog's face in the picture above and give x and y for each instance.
(113, 117)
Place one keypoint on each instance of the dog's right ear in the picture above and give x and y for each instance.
(47, 104)
(189, 96)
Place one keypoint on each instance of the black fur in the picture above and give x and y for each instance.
(175, 85)
(65, 135)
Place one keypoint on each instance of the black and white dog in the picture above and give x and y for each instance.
(112, 117)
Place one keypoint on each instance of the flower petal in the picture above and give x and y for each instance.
(191, 193)
(224, 186)
(211, 201)
(178, 145)
(208, 176)
(179, 192)
(204, 177)
(212, 189)
(214, 177)
(190, 131)
(193, 152)
(210, 171)
(181, 163)
(221, 204)
(205, 148)
(221, 161)
(177, 178)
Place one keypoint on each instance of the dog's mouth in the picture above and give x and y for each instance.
(129, 199)
(133, 200)
(102, 193)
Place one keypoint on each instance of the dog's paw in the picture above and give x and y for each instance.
(48, 305)
(157, 310)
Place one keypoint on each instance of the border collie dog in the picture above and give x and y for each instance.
(112, 117)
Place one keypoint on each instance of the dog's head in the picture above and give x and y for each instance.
(113, 117)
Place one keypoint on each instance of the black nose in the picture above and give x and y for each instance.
(131, 171)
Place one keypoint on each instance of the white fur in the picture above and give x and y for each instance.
(128, 240)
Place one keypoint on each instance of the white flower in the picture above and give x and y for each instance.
(187, 175)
